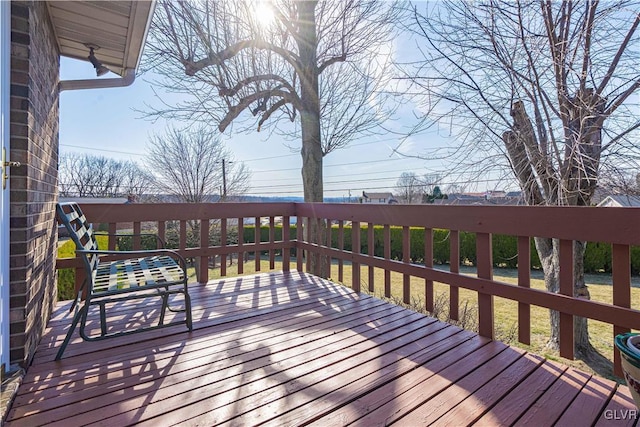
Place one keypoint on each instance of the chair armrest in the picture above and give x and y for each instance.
(158, 238)
(140, 254)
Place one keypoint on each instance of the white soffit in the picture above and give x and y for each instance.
(119, 28)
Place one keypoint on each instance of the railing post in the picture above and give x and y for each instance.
(355, 249)
(485, 271)
(566, 288)
(454, 267)
(524, 280)
(621, 266)
(203, 273)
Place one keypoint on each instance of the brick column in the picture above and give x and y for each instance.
(33, 142)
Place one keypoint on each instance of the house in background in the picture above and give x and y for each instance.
(484, 198)
(377, 198)
(34, 34)
(620, 201)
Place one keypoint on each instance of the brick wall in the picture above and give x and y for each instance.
(34, 143)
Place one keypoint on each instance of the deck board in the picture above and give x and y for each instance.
(292, 349)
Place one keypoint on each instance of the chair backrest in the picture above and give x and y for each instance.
(79, 229)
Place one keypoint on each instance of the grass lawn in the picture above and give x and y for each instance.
(505, 311)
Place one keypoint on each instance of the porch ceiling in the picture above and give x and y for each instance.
(119, 28)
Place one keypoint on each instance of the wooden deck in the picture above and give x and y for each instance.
(292, 349)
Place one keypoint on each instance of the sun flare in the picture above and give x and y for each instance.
(264, 14)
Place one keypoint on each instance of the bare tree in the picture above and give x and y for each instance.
(544, 88)
(293, 65)
(620, 182)
(85, 175)
(410, 188)
(188, 164)
(319, 61)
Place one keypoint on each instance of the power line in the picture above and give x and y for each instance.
(103, 149)
(441, 184)
(247, 160)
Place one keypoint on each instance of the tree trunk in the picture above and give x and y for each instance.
(549, 253)
(310, 125)
(540, 185)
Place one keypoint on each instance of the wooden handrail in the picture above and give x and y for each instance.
(616, 226)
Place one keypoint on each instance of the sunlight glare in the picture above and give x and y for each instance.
(264, 14)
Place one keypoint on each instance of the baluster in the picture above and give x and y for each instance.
(272, 239)
(203, 274)
(223, 244)
(454, 267)
(370, 250)
(428, 262)
(162, 231)
(113, 239)
(406, 258)
(286, 238)
(566, 288)
(524, 280)
(137, 229)
(299, 237)
(485, 271)
(257, 231)
(387, 256)
(240, 245)
(329, 245)
(621, 279)
(341, 249)
(355, 249)
(183, 236)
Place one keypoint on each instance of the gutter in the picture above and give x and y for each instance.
(126, 80)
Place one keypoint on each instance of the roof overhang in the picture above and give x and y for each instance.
(119, 28)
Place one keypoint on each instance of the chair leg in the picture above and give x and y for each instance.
(187, 307)
(165, 306)
(74, 324)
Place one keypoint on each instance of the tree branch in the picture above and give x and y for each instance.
(616, 58)
(331, 61)
(224, 91)
(234, 111)
(218, 58)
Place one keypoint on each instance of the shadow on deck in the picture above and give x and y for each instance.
(293, 349)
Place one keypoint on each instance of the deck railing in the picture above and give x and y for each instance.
(616, 226)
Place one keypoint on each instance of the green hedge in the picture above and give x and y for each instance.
(66, 278)
(597, 257)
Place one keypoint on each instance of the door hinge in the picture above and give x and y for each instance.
(4, 164)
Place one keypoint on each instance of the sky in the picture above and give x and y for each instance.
(108, 122)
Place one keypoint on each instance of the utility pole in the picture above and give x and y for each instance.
(224, 181)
